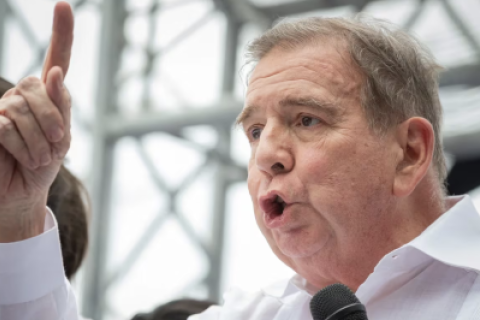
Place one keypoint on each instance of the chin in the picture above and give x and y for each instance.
(300, 245)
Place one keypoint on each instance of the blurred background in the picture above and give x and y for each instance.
(156, 86)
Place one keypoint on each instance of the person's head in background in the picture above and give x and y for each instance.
(67, 198)
(176, 310)
(4, 86)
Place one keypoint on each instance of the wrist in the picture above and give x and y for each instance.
(22, 220)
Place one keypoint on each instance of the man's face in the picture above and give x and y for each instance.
(320, 179)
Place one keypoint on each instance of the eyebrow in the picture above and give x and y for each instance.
(245, 114)
(327, 107)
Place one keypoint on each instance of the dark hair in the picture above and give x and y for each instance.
(4, 86)
(176, 310)
(67, 198)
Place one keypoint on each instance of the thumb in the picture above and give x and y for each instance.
(54, 84)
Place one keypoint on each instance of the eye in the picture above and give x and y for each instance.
(255, 133)
(309, 121)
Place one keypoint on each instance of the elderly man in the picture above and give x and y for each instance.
(346, 178)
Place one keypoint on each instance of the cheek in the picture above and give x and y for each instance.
(253, 183)
(344, 181)
(318, 167)
(253, 180)
(332, 174)
(337, 161)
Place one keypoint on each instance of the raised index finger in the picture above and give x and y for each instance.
(60, 47)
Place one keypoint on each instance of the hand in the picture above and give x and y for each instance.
(35, 136)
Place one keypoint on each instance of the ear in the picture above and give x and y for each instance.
(416, 139)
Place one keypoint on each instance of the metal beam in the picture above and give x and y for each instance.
(222, 182)
(413, 18)
(189, 31)
(24, 25)
(222, 177)
(230, 57)
(463, 146)
(250, 13)
(296, 7)
(243, 11)
(117, 126)
(468, 75)
(111, 45)
(458, 21)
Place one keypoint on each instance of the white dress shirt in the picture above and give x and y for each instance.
(434, 277)
(32, 278)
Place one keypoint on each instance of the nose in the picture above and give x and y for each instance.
(273, 155)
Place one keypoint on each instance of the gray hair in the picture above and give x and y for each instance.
(400, 74)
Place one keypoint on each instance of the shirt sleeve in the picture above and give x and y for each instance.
(32, 278)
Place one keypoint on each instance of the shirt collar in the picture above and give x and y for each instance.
(284, 287)
(454, 238)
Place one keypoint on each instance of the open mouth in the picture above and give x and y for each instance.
(273, 205)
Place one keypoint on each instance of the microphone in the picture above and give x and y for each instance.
(337, 302)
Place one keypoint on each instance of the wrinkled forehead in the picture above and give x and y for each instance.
(324, 64)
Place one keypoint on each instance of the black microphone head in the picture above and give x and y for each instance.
(333, 298)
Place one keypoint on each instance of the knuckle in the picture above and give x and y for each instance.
(29, 82)
(44, 149)
(6, 101)
(65, 144)
(9, 92)
(61, 148)
(23, 109)
(19, 105)
(51, 114)
(6, 126)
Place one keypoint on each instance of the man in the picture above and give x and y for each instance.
(346, 178)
